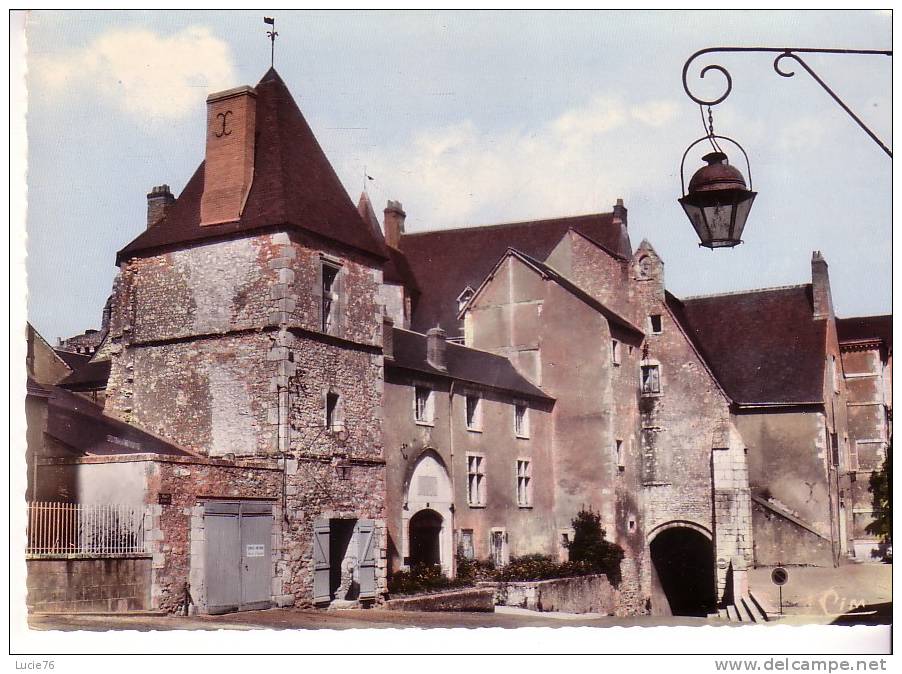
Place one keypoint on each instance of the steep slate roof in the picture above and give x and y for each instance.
(446, 261)
(82, 426)
(763, 346)
(866, 327)
(93, 374)
(464, 364)
(73, 360)
(294, 186)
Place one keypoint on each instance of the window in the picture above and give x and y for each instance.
(654, 324)
(423, 405)
(474, 413)
(834, 371)
(499, 546)
(564, 546)
(524, 483)
(475, 480)
(466, 544)
(521, 421)
(464, 297)
(333, 420)
(651, 379)
(615, 352)
(834, 449)
(618, 454)
(330, 296)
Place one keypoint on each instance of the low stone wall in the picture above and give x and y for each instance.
(580, 594)
(79, 584)
(480, 599)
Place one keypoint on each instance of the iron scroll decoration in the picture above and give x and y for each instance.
(782, 53)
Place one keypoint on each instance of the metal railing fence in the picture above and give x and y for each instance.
(85, 528)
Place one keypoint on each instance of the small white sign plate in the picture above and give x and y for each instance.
(254, 550)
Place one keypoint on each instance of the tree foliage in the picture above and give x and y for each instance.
(590, 548)
(881, 488)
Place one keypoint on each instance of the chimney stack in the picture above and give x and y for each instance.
(388, 342)
(619, 213)
(158, 201)
(394, 223)
(820, 286)
(436, 346)
(229, 164)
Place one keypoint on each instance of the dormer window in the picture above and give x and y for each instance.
(464, 297)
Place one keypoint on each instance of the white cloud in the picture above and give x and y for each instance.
(145, 74)
(579, 161)
(655, 113)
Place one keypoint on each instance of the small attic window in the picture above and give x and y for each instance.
(654, 324)
(464, 297)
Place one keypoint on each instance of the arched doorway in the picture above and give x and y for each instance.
(427, 519)
(683, 558)
(425, 532)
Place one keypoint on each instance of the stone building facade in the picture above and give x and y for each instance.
(347, 399)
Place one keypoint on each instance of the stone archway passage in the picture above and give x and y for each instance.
(684, 561)
(425, 531)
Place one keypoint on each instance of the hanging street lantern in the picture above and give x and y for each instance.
(718, 201)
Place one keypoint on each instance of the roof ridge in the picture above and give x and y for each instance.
(741, 292)
(511, 223)
(455, 344)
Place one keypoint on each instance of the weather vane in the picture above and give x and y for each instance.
(272, 35)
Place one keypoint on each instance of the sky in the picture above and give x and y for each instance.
(467, 119)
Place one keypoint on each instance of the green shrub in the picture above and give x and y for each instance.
(423, 578)
(590, 549)
(473, 570)
(541, 567)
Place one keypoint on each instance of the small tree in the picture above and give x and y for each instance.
(589, 546)
(881, 488)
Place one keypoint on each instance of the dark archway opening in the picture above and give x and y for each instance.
(425, 528)
(684, 561)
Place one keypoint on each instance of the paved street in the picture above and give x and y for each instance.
(853, 594)
(817, 594)
(345, 619)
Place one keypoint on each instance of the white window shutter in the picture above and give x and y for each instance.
(366, 537)
(321, 593)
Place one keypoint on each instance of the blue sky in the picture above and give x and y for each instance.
(470, 118)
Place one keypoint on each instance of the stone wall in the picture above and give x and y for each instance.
(69, 584)
(221, 349)
(581, 594)
(174, 538)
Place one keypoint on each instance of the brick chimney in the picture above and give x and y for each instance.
(619, 221)
(820, 286)
(436, 346)
(229, 167)
(158, 201)
(394, 223)
(388, 341)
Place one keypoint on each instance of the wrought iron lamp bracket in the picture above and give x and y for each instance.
(782, 53)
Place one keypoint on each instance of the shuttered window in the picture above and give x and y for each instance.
(524, 483)
(475, 480)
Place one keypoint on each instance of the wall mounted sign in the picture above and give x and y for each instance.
(164, 499)
(254, 550)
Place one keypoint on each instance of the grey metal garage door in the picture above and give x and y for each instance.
(238, 560)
